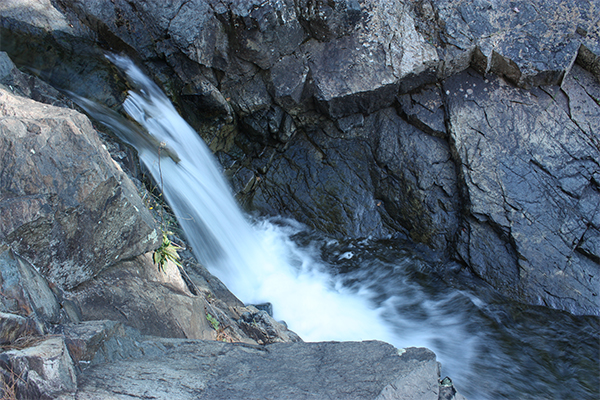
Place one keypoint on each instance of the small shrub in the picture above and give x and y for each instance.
(166, 251)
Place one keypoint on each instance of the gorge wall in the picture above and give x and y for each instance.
(469, 127)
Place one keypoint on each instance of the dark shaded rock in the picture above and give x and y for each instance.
(43, 371)
(263, 32)
(415, 179)
(528, 163)
(29, 86)
(322, 180)
(530, 43)
(200, 369)
(41, 35)
(115, 23)
(71, 217)
(261, 327)
(207, 98)
(288, 83)
(269, 125)
(374, 175)
(424, 110)
(327, 20)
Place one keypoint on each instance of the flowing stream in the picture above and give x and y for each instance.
(353, 290)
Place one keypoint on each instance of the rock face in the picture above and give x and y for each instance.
(42, 371)
(213, 370)
(337, 114)
(28, 297)
(72, 217)
(350, 118)
(530, 162)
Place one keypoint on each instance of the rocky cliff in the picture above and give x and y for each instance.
(469, 127)
(85, 313)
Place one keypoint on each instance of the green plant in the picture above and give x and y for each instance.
(213, 321)
(166, 251)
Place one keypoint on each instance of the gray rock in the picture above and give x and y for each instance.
(374, 175)
(69, 216)
(288, 82)
(530, 43)
(13, 327)
(332, 188)
(261, 327)
(26, 293)
(424, 110)
(137, 294)
(29, 86)
(263, 32)
(361, 73)
(528, 162)
(415, 179)
(43, 371)
(86, 340)
(200, 369)
(311, 82)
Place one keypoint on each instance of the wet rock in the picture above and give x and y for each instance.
(527, 165)
(235, 320)
(332, 190)
(375, 175)
(448, 391)
(42, 371)
(69, 216)
(201, 369)
(415, 180)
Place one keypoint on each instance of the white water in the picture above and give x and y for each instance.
(260, 262)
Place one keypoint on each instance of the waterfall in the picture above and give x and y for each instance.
(257, 265)
(383, 294)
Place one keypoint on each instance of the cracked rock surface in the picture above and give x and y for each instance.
(530, 169)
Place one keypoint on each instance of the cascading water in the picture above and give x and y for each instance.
(327, 290)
